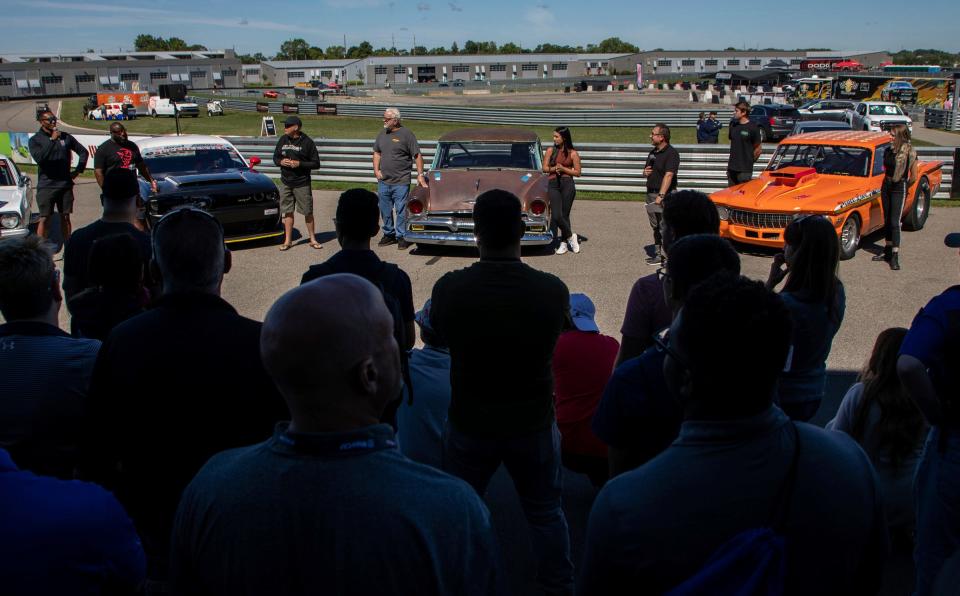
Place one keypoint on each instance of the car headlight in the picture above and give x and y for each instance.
(9, 221)
(723, 212)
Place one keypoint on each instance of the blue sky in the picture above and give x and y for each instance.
(695, 24)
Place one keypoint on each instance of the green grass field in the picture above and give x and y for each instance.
(345, 127)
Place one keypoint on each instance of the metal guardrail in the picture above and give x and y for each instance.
(606, 167)
(942, 119)
(522, 117)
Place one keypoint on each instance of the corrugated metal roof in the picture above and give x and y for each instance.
(488, 58)
(282, 64)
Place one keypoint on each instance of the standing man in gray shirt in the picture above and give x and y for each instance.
(394, 153)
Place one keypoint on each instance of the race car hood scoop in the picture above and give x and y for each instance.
(792, 176)
(187, 180)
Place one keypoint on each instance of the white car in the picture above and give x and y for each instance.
(877, 116)
(827, 106)
(158, 106)
(16, 200)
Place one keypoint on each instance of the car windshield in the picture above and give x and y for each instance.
(6, 176)
(809, 104)
(885, 111)
(787, 113)
(825, 159)
(477, 154)
(183, 159)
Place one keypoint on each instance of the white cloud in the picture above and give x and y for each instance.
(422, 7)
(454, 7)
(156, 18)
(540, 17)
(354, 3)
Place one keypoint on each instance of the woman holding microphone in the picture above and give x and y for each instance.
(562, 163)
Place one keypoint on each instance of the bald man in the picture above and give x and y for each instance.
(329, 504)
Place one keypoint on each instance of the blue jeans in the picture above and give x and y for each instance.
(937, 493)
(533, 462)
(393, 197)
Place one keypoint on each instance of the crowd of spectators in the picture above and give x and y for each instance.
(171, 445)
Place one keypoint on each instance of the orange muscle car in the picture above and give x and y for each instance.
(837, 174)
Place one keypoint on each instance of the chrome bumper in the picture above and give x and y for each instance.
(468, 239)
(15, 232)
(448, 231)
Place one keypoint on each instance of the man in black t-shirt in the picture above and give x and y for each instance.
(501, 319)
(357, 221)
(663, 162)
(115, 165)
(745, 139)
(296, 154)
(119, 211)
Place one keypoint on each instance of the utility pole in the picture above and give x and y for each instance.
(414, 44)
(344, 45)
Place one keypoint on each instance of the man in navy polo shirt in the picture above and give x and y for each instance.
(928, 371)
(46, 373)
(329, 504)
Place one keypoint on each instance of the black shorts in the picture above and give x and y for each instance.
(48, 198)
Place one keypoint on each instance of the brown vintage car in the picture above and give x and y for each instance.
(467, 163)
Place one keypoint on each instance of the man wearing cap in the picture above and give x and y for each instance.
(295, 155)
(394, 153)
(51, 149)
(421, 421)
(928, 371)
(582, 363)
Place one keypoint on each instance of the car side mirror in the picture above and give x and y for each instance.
(254, 162)
(25, 180)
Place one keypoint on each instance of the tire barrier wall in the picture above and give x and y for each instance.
(606, 167)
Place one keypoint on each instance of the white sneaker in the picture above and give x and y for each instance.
(574, 243)
(562, 248)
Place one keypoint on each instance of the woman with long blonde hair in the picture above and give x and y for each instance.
(900, 171)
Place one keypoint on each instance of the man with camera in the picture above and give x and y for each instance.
(51, 149)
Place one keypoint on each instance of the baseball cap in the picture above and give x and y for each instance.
(292, 121)
(582, 312)
(952, 240)
(423, 316)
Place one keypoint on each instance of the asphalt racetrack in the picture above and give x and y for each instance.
(611, 260)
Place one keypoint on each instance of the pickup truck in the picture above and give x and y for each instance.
(158, 106)
(877, 116)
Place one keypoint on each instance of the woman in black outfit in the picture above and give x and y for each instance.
(562, 162)
(900, 170)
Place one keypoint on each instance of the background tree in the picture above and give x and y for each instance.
(148, 43)
(334, 52)
(615, 45)
(294, 49)
(510, 48)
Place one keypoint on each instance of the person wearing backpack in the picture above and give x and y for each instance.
(744, 501)
(357, 221)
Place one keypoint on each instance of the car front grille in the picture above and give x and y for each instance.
(752, 219)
